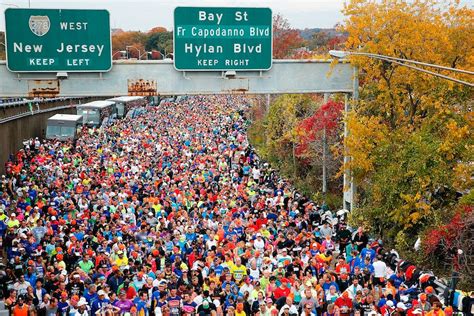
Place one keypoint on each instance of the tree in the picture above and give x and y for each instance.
(318, 133)
(285, 39)
(410, 134)
(160, 41)
(451, 245)
(121, 40)
(280, 124)
(310, 130)
(2, 48)
(158, 29)
(319, 39)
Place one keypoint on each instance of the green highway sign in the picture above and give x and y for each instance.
(210, 38)
(51, 40)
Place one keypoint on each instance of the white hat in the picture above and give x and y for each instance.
(389, 303)
(402, 306)
(417, 311)
(82, 302)
(101, 292)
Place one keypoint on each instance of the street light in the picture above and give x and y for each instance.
(403, 62)
(145, 53)
(139, 54)
(122, 52)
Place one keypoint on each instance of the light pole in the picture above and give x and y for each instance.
(406, 62)
(122, 52)
(139, 54)
(349, 184)
(144, 54)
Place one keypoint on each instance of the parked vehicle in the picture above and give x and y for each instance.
(97, 113)
(126, 103)
(63, 126)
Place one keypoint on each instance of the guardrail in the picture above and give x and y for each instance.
(30, 113)
(25, 102)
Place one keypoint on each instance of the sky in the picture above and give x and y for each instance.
(142, 15)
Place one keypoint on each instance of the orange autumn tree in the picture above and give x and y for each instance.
(121, 40)
(285, 39)
(411, 134)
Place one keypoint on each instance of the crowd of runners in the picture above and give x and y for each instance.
(172, 213)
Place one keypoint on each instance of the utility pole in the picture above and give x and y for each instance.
(267, 105)
(325, 189)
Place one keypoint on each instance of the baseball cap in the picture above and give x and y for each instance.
(81, 303)
(101, 292)
(401, 305)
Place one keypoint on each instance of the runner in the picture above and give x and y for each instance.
(173, 213)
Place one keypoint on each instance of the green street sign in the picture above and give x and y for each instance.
(50, 40)
(211, 38)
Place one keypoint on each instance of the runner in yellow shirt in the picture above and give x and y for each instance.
(238, 270)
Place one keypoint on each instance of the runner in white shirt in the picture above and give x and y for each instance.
(380, 272)
(380, 268)
(259, 243)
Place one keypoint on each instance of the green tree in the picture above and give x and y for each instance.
(411, 134)
(160, 41)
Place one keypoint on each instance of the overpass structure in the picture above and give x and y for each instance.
(159, 77)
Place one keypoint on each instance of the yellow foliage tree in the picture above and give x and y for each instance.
(411, 134)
